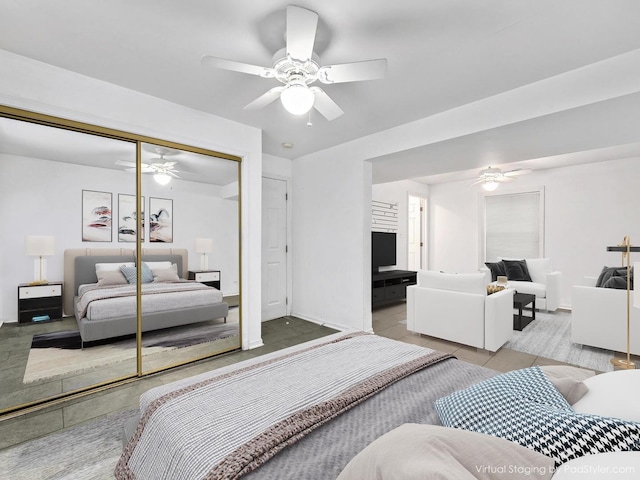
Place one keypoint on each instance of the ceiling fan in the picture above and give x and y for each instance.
(490, 177)
(161, 169)
(297, 67)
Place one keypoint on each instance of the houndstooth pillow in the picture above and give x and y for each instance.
(523, 406)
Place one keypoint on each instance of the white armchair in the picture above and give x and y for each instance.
(456, 307)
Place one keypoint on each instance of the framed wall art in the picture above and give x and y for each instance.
(96, 216)
(160, 220)
(127, 218)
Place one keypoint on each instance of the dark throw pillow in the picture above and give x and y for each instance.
(517, 270)
(497, 269)
(619, 279)
(608, 272)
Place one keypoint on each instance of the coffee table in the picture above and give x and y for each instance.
(521, 300)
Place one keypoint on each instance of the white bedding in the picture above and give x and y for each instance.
(156, 297)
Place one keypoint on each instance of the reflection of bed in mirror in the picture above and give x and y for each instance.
(106, 308)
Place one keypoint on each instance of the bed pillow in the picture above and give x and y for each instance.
(158, 265)
(101, 267)
(130, 273)
(568, 380)
(111, 277)
(166, 274)
(524, 407)
(416, 452)
(517, 270)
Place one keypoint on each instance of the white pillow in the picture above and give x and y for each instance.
(609, 465)
(158, 266)
(538, 269)
(102, 267)
(612, 394)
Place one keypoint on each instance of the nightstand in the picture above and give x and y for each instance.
(39, 302)
(208, 277)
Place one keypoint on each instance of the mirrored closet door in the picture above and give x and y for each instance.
(96, 223)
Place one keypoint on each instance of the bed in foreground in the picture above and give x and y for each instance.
(362, 407)
(315, 408)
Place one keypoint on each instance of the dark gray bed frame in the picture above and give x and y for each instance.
(83, 262)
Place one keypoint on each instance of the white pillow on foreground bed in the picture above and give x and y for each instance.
(417, 452)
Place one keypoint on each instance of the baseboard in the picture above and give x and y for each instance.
(322, 323)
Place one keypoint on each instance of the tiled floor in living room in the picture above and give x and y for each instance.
(386, 323)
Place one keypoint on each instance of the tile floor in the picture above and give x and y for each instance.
(277, 334)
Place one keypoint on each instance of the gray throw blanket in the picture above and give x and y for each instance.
(228, 425)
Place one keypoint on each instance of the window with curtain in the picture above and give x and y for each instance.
(513, 225)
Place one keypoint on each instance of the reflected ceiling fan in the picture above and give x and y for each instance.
(491, 177)
(161, 169)
(297, 67)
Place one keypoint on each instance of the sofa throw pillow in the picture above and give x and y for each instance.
(618, 281)
(497, 270)
(607, 273)
(130, 273)
(517, 270)
(524, 407)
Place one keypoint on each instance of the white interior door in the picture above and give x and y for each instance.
(415, 246)
(274, 248)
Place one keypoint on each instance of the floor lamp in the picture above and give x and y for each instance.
(625, 248)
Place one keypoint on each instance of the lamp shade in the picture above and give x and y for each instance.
(204, 245)
(39, 245)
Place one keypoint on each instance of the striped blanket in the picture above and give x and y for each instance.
(228, 425)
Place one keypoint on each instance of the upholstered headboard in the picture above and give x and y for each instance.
(80, 265)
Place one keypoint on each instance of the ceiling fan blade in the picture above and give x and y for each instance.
(353, 72)
(504, 179)
(265, 99)
(169, 172)
(301, 32)
(215, 62)
(479, 180)
(124, 163)
(323, 103)
(517, 171)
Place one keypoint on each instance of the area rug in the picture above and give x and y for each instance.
(57, 355)
(549, 336)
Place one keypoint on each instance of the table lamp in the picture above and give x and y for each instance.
(204, 246)
(39, 246)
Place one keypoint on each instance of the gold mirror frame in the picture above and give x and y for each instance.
(56, 122)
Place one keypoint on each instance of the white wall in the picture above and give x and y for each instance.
(35, 86)
(44, 198)
(399, 192)
(587, 208)
(332, 241)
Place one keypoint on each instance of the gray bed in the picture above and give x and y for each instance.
(183, 433)
(80, 269)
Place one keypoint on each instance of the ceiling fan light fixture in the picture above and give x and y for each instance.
(490, 185)
(297, 98)
(162, 178)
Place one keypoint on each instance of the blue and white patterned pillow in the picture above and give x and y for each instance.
(131, 275)
(523, 406)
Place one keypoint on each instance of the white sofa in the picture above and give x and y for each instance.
(456, 307)
(599, 317)
(546, 284)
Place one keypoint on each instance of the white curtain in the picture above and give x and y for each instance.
(512, 226)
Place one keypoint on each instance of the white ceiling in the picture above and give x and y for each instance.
(537, 83)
